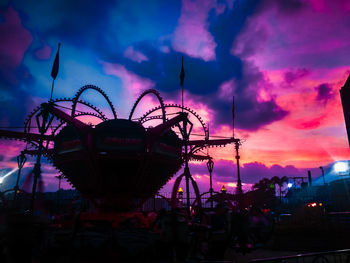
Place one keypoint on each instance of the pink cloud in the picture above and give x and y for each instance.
(226, 90)
(131, 81)
(326, 6)
(14, 42)
(315, 34)
(192, 36)
(43, 53)
(203, 111)
(319, 5)
(10, 149)
(133, 86)
(134, 55)
(308, 124)
(313, 134)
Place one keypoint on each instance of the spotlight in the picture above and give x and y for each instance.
(289, 185)
(341, 167)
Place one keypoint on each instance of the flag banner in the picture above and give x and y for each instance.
(54, 70)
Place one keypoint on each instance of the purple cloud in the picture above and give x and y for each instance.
(134, 55)
(226, 171)
(303, 33)
(191, 35)
(293, 75)
(15, 40)
(324, 92)
(43, 53)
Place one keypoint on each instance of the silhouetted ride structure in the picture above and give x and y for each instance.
(118, 163)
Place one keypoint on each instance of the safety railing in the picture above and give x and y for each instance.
(336, 256)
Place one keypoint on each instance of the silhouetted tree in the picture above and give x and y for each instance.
(264, 185)
(263, 193)
(280, 181)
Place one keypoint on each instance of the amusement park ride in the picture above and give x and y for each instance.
(119, 163)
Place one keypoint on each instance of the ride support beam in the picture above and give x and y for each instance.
(211, 142)
(168, 124)
(67, 118)
(25, 136)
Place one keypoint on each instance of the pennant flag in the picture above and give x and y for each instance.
(54, 70)
(182, 73)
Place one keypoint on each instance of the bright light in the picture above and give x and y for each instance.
(314, 204)
(289, 185)
(8, 174)
(341, 167)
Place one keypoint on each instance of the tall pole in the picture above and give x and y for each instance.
(322, 170)
(185, 134)
(239, 182)
(185, 131)
(180, 197)
(187, 172)
(237, 143)
(21, 159)
(182, 77)
(309, 177)
(210, 166)
(233, 117)
(43, 127)
(37, 172)
(53, 83)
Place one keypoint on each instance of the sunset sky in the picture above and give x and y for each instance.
(283, 60)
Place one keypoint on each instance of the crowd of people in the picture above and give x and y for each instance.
(205, 234)
(170, 235)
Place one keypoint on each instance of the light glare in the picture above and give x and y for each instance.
(341, 167)
(8, 174)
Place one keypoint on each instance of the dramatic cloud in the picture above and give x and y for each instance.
(300, 32)
(191, 35)
(226, 171)
(283, 61)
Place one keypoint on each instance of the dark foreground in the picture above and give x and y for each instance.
(169, 237)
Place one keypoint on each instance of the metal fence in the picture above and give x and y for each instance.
(158, 202)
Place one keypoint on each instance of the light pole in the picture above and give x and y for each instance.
(223, 189)
(239, 182)
(324, 181)
(43, 120)
(21, 159)
(210, 166)
(180, 197)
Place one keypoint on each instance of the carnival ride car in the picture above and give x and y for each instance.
(118, 163)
